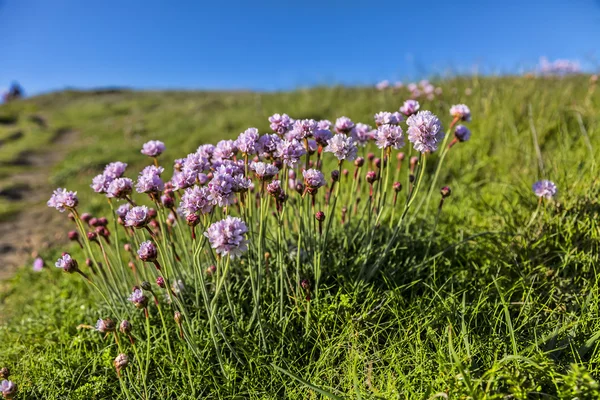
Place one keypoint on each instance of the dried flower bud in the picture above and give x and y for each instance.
(73, 235)
(192, 219)
(160, 281)
(105, 325)
(4, 373)
(125, 327)
(146, 285)
(121, 361)
(400, 156)
(211, 269)
(305, 283)
(320, 216)
(335, 175)
(359, 162)
(445, 192)
(397, 186)
(177, 317)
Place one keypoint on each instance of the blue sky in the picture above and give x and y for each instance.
(269, 45)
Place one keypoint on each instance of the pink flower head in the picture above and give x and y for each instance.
(149, 180)
(425, 131)
(462, 133)
(313, 179)
(227, 237)
(137, 217)
(115, 169)
(280, 124)
(153, 148)
(247, 141)
(342, 147)
(120, 188)
(344, 125)
(147, 251)
(461, 112)
(267, 145)
(196, 199)
(67, 263)
(38, 264)
(410, 107)
(545, 188)
(225, 150)
(290, 152)
(63, 199)
(389, 136)
(263, 170)
(362, 133)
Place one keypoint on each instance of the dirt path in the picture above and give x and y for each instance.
(36, 227)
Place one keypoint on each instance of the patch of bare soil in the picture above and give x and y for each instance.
(36, 227)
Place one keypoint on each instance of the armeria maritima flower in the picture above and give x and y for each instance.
(280, 124)
(410, 107)
(8, 389)
(389, 136)
(461, 111)
(137, 217)
(67, 263)
(247, 141)
(147, 251)
(63, 199)
(545, 188)
(263, 170)
(462, 133)
(120, 188)
(196, 199)
(105, 325)
(313, 179)
(342, 146)
(149, 180)
(290, 152)
(344, 125)
(153, 148)
(425, 131)
(227, 237)
(138, 298)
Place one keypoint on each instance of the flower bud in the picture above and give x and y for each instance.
(371, 176)
(73, 235)
(160, 281)
(152, 213)
(167, 201)
(335, 175)
(102, 221)
(93, 222)
(105, 325)
(413, 163)
(211, 269)
(378, 162)
(299, 187)
(85, 217)
(320, 216)
(305, 283)
(400, 156)
(125, 327)
(146, 285)
(127, 247)
(192, 219)
(370, 156)
(359, 162)
(177, 317)
(4, 373)
(397, 186)
(345, 172)
(278, 163)
(445, 192)
(92, 236)
(88, 262)
(121, 361)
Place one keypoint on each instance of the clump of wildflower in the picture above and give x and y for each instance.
(389, 136)
(149, 180)
(342, 147)
(153, 148)
(227, 237)
(8, 389)
(313, 179)
(147, 251)
(410, 107)
(63, 199)
(263, 170)
(280, 124)
(247, 141)
(545, 189)
(67, 263)
(425, 131)
(290, 152)
(461, 112)
(137, 217)
(196, 199)
(120, 188)
(344, 125)
(138, 298)
(105, 325)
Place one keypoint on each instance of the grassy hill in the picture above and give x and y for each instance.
(506, 307)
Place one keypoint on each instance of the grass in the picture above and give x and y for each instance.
(498, 308)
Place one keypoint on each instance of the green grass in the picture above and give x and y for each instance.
(500, 308)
